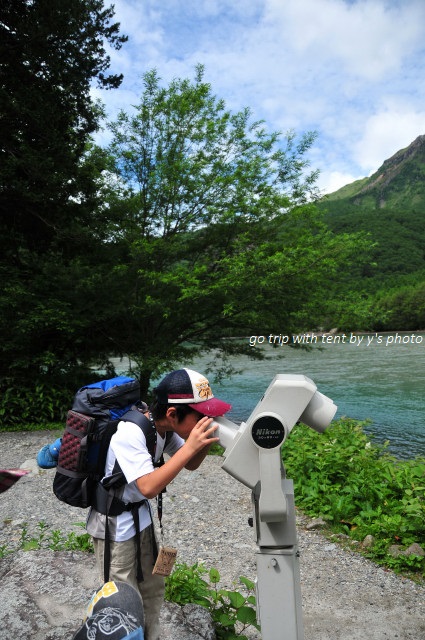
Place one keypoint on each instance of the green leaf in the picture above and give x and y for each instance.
(236, 599)
(225, 620)
(247, 582)
(214, 575)
(246, 615)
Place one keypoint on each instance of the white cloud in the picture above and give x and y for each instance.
(330, 181)
(385, 133)
(366, 38)
(350, 69)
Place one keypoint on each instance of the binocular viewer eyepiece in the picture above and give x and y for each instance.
(288, 399)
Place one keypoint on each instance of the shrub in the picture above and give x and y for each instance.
(359, 488)
(232, 611)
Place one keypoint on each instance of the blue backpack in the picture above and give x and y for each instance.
(93, 419)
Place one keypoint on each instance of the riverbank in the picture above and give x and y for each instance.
(345, 597)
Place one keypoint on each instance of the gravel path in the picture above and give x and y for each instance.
(205, 516)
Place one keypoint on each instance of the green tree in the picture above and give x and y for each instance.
(401, 308)
(49, 52)
(213, 218)
(50, 222)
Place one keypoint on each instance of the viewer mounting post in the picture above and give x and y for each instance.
(253, 456)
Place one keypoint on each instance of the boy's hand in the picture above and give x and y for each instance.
(202, 434)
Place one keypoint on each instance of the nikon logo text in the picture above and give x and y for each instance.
(268, 432)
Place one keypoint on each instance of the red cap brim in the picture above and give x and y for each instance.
(212, 407)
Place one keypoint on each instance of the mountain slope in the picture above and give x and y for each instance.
(398, 183)
(390, 205)
(389, 293)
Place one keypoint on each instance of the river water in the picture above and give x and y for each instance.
(380, 377)
(382, 380)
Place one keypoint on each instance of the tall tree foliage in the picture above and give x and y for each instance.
(201, 228)
(215, 228)
(50, 52)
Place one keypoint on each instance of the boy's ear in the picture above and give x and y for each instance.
(171, 414)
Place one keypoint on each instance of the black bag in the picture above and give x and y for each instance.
(92, 421)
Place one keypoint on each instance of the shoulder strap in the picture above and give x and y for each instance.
(149, 431)
(148, 428)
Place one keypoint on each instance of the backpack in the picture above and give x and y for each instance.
(93, 419)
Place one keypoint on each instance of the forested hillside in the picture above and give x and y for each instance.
(388, 293)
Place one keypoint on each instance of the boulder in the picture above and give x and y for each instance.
(396, 550)
(368, 542)
(415, 550)
(191, 622)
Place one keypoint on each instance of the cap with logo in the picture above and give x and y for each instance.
(185, 386)
(115, 612)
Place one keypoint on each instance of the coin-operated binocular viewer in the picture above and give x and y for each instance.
(253, 456)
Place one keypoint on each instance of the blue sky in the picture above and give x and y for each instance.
(351, 70)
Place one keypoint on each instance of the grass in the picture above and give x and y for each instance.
(33, 426)
(47, 538)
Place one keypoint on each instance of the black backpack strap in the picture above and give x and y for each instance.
(160, 462)
(117, 478)
(109, 504)
(134, 508)
(107, 549)
(147, 425)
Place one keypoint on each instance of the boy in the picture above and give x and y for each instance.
(181, 414)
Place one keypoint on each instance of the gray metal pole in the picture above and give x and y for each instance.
(279, 604)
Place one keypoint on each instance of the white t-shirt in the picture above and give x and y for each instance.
(128, 447)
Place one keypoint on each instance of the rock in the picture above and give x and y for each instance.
(316, 523)
(192, 622)
(414, 550)
(368, 542)
(198, 618)
(45, 595)
(396, 550)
